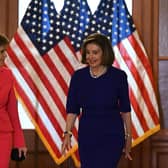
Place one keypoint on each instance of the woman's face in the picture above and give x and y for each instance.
(93, 55)
(2, 54)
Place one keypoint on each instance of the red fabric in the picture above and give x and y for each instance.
(5, 146)
(9, 119)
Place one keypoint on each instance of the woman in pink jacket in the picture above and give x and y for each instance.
(11, 134)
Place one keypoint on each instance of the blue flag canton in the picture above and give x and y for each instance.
(76, 16)
(112, 19)
(42, 24)
(45, 27)
(122, 23)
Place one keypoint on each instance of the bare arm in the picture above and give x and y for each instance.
(70, 121)
(128, 134)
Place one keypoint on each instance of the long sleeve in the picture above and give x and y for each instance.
(12, 109)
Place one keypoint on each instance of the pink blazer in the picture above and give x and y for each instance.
(9, 119)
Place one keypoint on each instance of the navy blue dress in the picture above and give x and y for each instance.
(101, 129)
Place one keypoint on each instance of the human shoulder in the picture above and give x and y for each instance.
(117, 72)
(81, 71)
(6, 71)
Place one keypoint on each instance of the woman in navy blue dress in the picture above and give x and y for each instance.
(99, 92)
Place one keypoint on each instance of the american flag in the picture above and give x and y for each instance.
(45, 51)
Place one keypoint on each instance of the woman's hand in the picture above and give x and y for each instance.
(24, 150)
(66, 145)
(127, 148)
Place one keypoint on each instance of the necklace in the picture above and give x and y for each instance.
(98, 75)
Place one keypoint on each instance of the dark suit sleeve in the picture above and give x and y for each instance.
(72, 105)
(124, 101)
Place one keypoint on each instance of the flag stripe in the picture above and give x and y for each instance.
(50, 62)
(140, 82)
(35, 90)
(37, 114)
(43, 78)
(141, 123)
(135, 89)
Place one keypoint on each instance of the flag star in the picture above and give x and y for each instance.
(94, 16)
(93, 22)
(78, 45)
(106, 14)
(66, 10)
(116, 25)
(79, 38)
(114, 40)
(46, 5)
(45, 12)
(51, 14)
(58, 30)
(76, 21)
(73, 36)
(51, 7)
(77, 15)
(72, 12)
(57, 37)
(45, 19)
(70, 19)
(103, 28)
(32, 30)
(35, 9)
(65, 16)
(34, 16)
(44, 33)
(33, 23)
(82, 17)
(105, 21)
(44, 41)
(121, 21)
(51, 35)
(45, 26)
(44, 48)
(75, 29)
(123, 6)
(101, 11)
(27, 21)
(127, 30)
(50, 42)
(28, 14)
(128, 16)
(81, 24)
(51, 21)
(73, 5)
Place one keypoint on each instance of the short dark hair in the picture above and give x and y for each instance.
(3, 40)
(104, 43)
